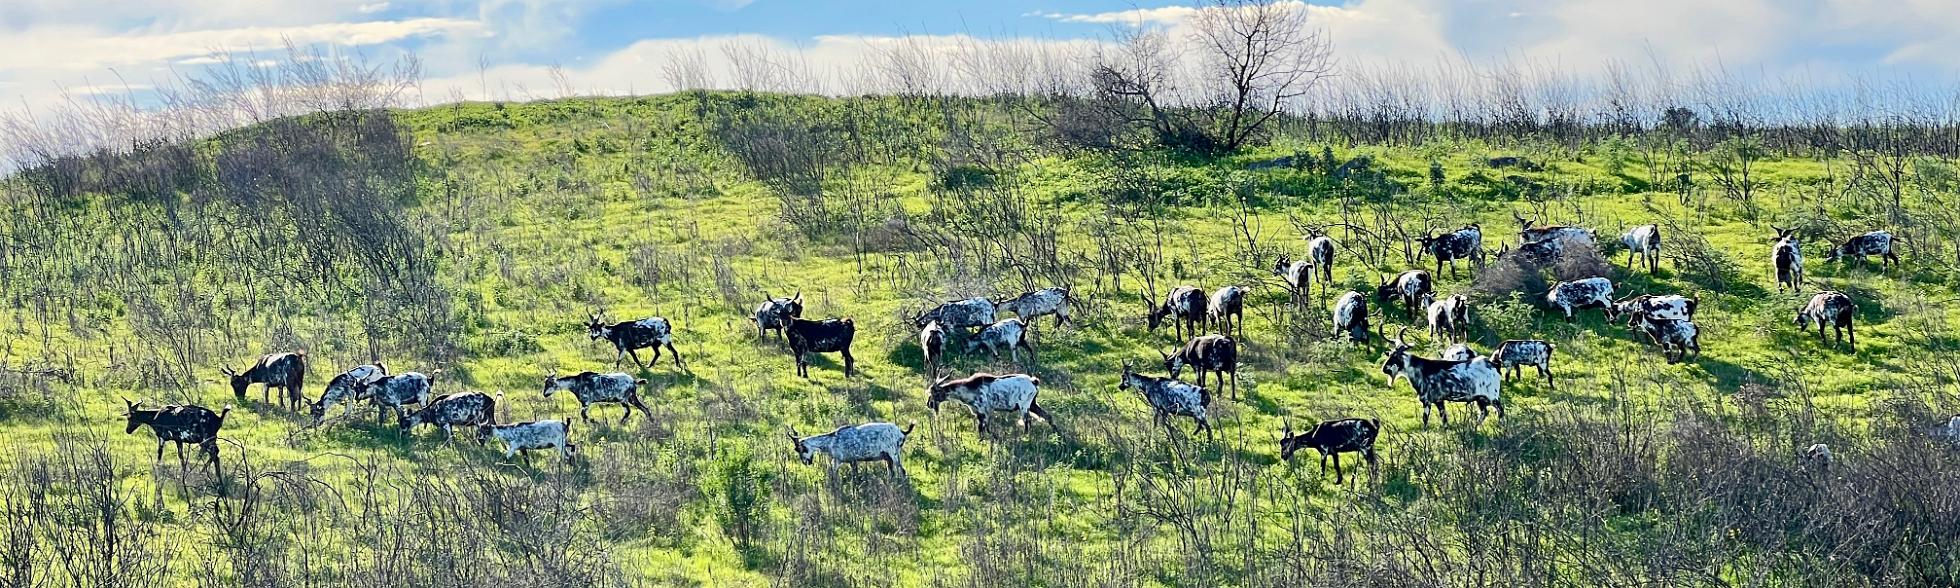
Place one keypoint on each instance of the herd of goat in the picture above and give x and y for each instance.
(1207, 323)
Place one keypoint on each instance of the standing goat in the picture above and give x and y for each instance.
(286, 371)
(959, 314)
(932, 344)
(1186, 307)
(595, 388)
(825, 336)
(1787, 257)
(1351, 316)
(1011, 334)
(1168, 397)
(987, 394)
(1830, 308)
(1320, 251)
(867, 442)
(395, 391)
(469, 409)
(1668, 307)
(1675, 337)
(347, 387)
(1226, 309)
(1645, 241)
(1511, 356)
(1409, 286)
(629, 337)
(526, 436)
(1039, 303)
(1216, 354)
(1438, 381)
(1449, 318)
(1464, 243)
(1567, 237)
(187, 424)
(1298, 276)
(1578, 294)
(1877, 243)
(775, 314)
(1333, 438)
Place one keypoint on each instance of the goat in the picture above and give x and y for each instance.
(1460, 352)
(1320, 252)
(1877, 243)
(1464, 243)
(1351, 316)
(469, 409)
(1675, 337)
(1298, 276)
(987, 394)
(1449, 318)
(192, 424)
(959, 314)
(1333, 438)
(1511, 356)
(629, 337)
(1409, 286)
(1533, 253)
(1578, 294)
(595, 388)
(825, 336)
(775, 314)
(1818, 456)
(1830, 308)
(395, 391)
(1010, 333)
(1168, 397)
(1668, 307)
(1787, 257)
(1185, 305)
(1039, 303)
(286, 371)
(526, 436)
(1217, 354)
(932, 344)
(1566, 236)
(346, 387)
(867, 442)
(1438, 381)
(1226, 309)
(1645, 241)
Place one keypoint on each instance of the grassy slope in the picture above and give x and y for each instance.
(547, 251)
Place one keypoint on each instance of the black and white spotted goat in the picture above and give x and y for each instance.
(775, 314)
(1409, 286)
(1787, 257)
(1333, 438)
(631, 336)
(1438, 381)
(286, 371)
(347, 388)
(186, 424)
(959, 314)
(1460, 352)
(1672, 307)
(1832, 309)
(394, 392)
(856, 444)
(1011, 334)
(533, 435)
(1879, 243)
(825, 336)
(1320, 252)
(1227, 309)
(1168, 397)
(1449, 318)
(1511, 356)
(1185, 306)
(1533, 253)
(1567, 236)
(1039, 303)
(932, 345)
(469, 409)
(1568, 297)
(1464, 243)
(1644, 241)
(1676, 338)
(987, 394)
(1298, 276)
(595, 388)
(1351, 316)
(1216, 354)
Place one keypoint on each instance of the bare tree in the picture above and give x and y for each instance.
(1258, 56)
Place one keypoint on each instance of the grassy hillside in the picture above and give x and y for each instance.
(477, 252)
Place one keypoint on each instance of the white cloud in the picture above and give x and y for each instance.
(87, 50)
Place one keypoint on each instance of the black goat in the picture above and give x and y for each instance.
(186, 424)
(1217, 354)
(1186, 306)
(1333, 438)
(629, 337)
(825, 336)
(286, 371)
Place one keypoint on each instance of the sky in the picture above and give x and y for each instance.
(56, 50)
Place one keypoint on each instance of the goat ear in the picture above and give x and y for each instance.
(1289, 428)
(798, 297)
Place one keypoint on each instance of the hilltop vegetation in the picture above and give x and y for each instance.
(473, 240)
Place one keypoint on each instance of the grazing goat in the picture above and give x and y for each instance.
(1675, 337)
(1566, 236)
(1185, 305)
(1011, 334)
(1351, 316)
(524, 437)
(1533, 253)
(1438, 381)
(1787, 257)
(867, 442)
(394, 392)
(932, 344)
(1877, 243)
(1829, 308)
(187, 424)
(775, 315)
(1168, 397)
(1511, 356)
(1216, 354)
(1645, 241)
(286, 371)
(469, 409)
(1464, 243)
(825, 336)
(1320, 251)
(959, 314)
(1460, 352)
(629, 337)
(1449, 318)
(1333, 438)
(1409, 286)
(1298, 276)
(1039, 303)
(1226, 309)
(1578, 294)
(347, 387)
(595, 388)
(987, 394)
(1669, 307)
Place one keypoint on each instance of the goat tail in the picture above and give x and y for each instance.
(1037, 381)
(907, 431)
(640, 382)
(1377, 422)
(223, 413)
